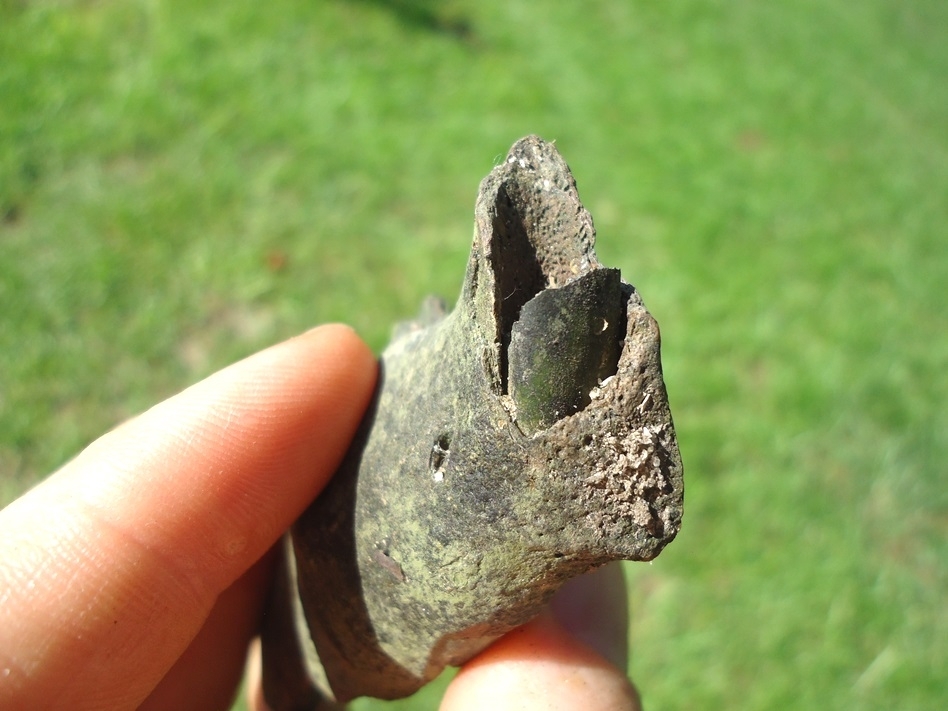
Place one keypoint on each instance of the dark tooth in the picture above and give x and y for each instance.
(565, 342)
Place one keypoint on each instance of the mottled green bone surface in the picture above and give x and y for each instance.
(521, 440)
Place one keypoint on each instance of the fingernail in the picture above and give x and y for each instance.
(593, 608)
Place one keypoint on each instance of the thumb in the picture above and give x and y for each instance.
(540, 667)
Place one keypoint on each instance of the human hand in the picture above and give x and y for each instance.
(135, 576)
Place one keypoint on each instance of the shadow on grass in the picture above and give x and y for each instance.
(426, 16)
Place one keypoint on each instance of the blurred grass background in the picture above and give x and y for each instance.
(184, 183)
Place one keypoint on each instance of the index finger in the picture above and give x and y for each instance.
(109, 568)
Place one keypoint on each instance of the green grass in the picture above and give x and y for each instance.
(184, 183)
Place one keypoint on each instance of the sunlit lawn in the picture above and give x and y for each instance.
(183, 183)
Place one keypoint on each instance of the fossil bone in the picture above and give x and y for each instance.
(522, 439)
